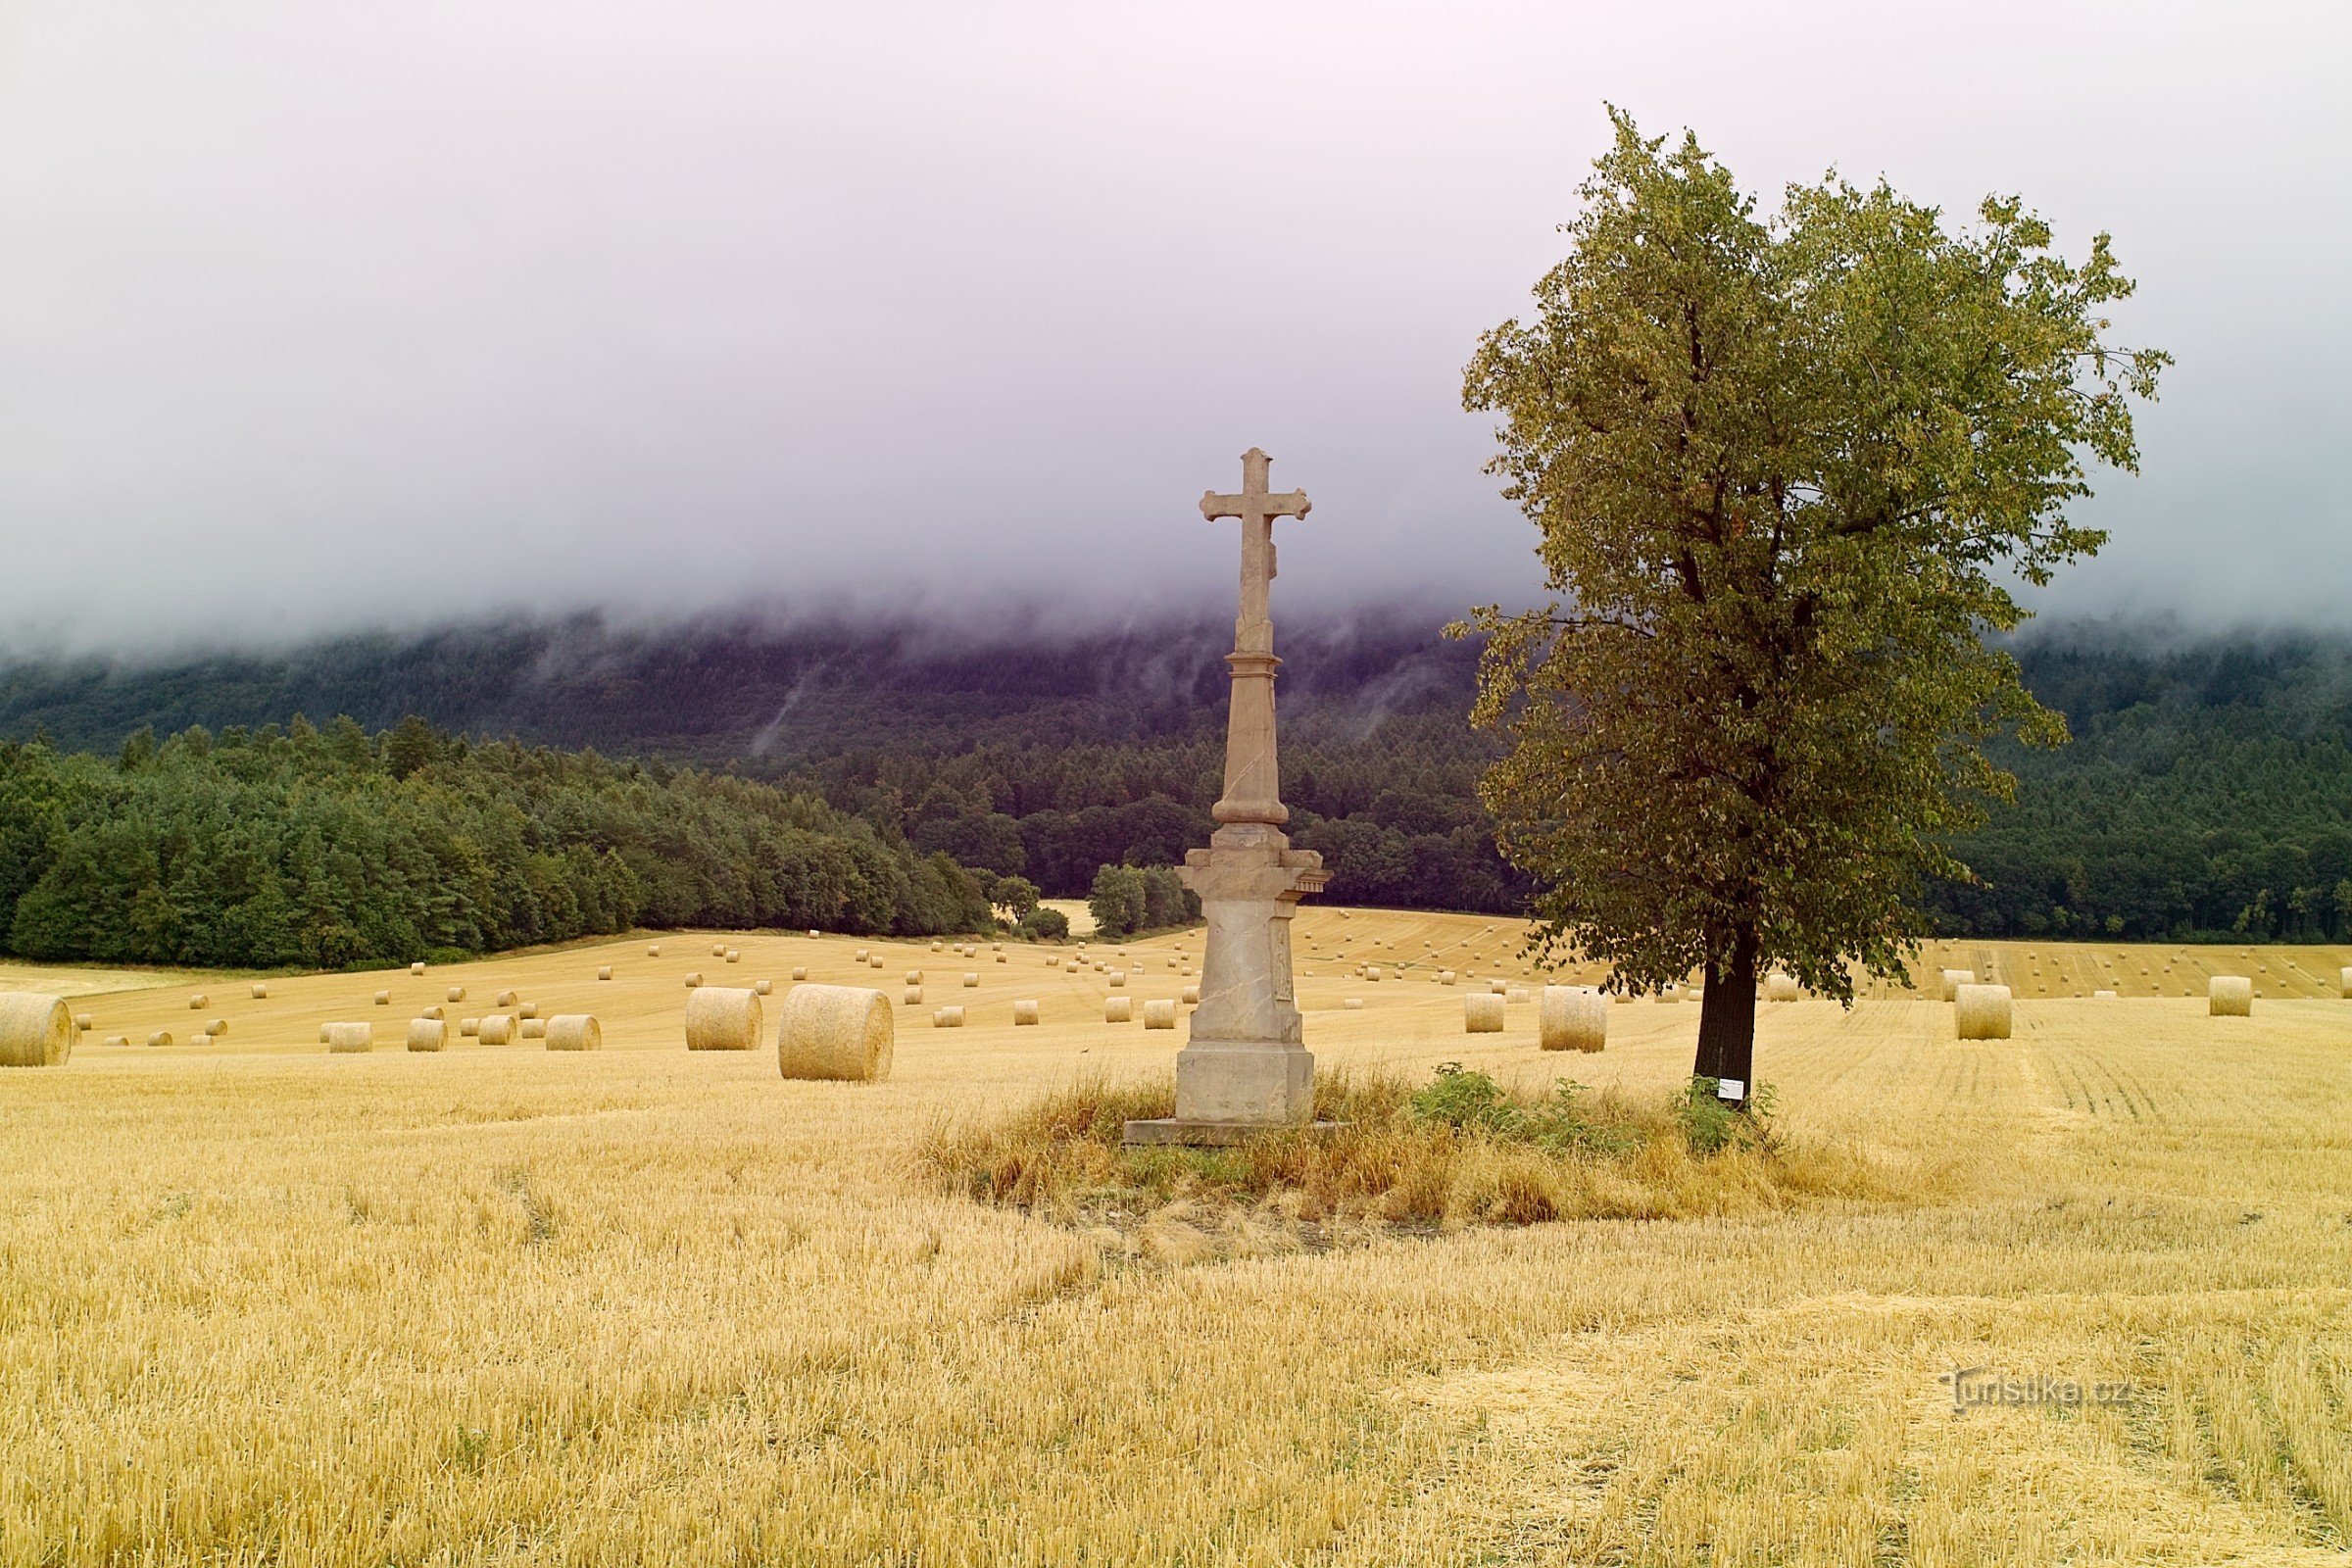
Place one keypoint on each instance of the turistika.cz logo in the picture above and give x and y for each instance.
(1975, 1386)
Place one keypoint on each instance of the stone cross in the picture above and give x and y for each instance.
(1257, 508)
(1245, 1065)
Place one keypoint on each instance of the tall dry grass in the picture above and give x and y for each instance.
(1458, 1149)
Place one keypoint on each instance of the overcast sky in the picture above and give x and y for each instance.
(324, 315)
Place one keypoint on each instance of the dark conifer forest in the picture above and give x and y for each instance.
(471, 788)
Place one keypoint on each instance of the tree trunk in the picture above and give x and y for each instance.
(1726, 1018)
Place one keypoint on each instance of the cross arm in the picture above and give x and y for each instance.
(1281, 504)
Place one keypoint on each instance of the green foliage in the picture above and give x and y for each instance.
(1016, 895)
(1784, 471)
(1711, 1124)
(1468, 1101)
(1042, 924)
(1116, 901)
(1127, 899)
(328, 848)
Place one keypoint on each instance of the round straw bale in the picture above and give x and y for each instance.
(724, 1018)
(1024, 1011)
(574, 1032)
(1954, 979)
(1353, 1003)
(35, 1030)
(196, 1002)
(694, 979)
(719, 949)
(162, 1037)
(1445, 977)
(859, 956)
(2230, 995)
(1481, 1015)
(913, 997)
(533, 1029)
(948, 1018)
(1118, 1009)
(217, 1027)
(415, 968)
(653, 950)
(260, 992)
(1981, 1012)
(874, 962)
(470, 1027)
(1002, 959)
(1516, 995)
(604, 973)
(1372, 973)
(2102, 996)
(1191, 996)
(504, 998)
(1573, 1018)
(935, 945)
(436, 1010)
(348, 1038)
(971, 981)
(915, 977)
(763, 987)
(2343, 983)
(1496, 988)
(799, 971)
(996, 946)
(495, 1029)
(84, 1023)
(426, 1034)
(1160, 1013)
(1779, 986)
(812, 933)
(117, 1040)
(454, 994)
(734, 954)
(383, 998)
(529, 1009)
(834, 1032)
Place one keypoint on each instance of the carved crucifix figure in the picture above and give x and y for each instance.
(1257, 508)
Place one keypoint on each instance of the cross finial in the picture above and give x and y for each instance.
(1257, 508)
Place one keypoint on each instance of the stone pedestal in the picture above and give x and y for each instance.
(1245, 1066)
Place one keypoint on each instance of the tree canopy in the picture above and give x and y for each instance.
(1788, 472)
(322, 849)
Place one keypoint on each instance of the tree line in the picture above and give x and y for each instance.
(331, 848)
(2206, 794)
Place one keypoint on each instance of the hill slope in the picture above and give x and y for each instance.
(2207, 794)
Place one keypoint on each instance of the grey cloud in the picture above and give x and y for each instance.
(316, 318)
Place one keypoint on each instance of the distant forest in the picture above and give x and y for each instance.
(2207, 794)
(328, 847)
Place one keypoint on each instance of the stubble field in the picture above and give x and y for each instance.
(499, 1305)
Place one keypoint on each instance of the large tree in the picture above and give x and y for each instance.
(1787, 471)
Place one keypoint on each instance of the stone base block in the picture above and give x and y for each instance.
(1214, 1134)
(1259, 1083)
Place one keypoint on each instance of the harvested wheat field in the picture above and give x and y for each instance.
(507, 1304)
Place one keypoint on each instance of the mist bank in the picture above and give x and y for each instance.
(760, 689)
(770, 689)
